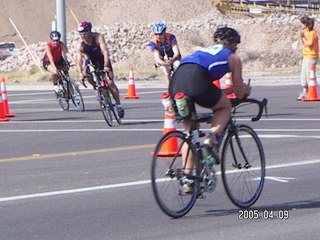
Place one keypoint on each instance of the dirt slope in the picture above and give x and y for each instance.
(33, 17)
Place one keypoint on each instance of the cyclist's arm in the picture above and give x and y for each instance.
(175, 49)
(157, 58)
(79, 53)
(67, 53)
(103, 45)
(176, 53)
(240, 89)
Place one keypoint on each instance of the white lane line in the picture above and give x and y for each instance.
(82, 130)
(161, 129)
(279, 179)
(146, 120)
(72, 191)
(84, 121)
(128, 184)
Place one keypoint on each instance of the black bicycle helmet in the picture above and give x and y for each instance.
(228, 37)
(55, 36)
(84, 27)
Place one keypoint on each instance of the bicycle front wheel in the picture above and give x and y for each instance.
(76, 95)
(113, 107)
(243, 166)
(105, 106)
(168, 172)
(62, 96)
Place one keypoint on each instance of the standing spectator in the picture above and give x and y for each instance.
(310, 50)
(165, 50)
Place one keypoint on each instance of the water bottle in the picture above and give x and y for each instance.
(207, 157)
(167, 103)
(182, 104)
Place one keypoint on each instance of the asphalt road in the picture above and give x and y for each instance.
(68, 176)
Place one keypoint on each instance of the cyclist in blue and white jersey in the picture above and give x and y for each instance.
(196, 72)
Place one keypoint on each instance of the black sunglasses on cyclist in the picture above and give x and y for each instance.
(83, 33)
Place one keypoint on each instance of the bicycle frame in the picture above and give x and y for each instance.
(177, 183)
(195, 135)
(69, 88)
(104, 94)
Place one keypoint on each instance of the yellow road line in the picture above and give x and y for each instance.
(43, 156)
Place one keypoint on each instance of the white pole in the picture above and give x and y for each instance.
(24, 42)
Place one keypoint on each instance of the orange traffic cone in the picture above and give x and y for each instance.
(169, 147)
(2, 116)
(131, 86)
(312, 86)
(229, 84)
(5, 100)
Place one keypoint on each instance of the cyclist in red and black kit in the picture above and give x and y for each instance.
(53, 57)
(165, 50)
(94, 47)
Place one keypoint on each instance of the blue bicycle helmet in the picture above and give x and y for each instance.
(159, 28)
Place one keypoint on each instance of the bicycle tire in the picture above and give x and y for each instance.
(243, 183)
(75, 95)
(166, 175)
(105, 106)
(63, 97)
(113, 108)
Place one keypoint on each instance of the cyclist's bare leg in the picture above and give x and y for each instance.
(53, 74)
(176, 64)
(90, 80)
(221, 115)
(166, 72)
(114, 90)
(187, 158)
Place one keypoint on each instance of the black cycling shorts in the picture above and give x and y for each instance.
(45, 63)
(196, 83)
(98, 64)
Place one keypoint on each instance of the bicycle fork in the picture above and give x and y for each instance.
(236, 163)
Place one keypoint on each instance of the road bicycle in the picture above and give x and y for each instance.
(69, 90)
(104, 96)
(240, 154)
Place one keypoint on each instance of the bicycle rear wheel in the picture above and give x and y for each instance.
(62, 96)
(75, 95)
(105, 106)
(243, 166)
(168, 172)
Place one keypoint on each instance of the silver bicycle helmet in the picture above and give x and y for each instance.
(55, 36)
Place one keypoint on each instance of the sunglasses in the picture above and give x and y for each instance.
(83, 34)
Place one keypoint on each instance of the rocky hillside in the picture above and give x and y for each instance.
(267, 42)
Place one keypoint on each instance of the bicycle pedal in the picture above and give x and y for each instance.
(201, 134)
(201, 196)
